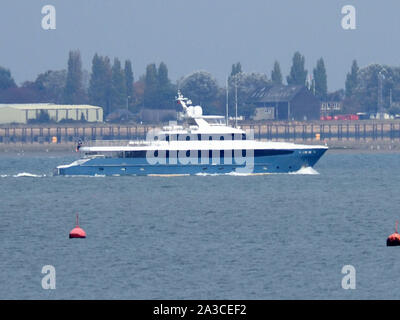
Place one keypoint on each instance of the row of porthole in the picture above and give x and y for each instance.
(199, 153)
(219, 137)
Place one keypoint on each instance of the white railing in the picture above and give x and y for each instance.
(119, 143)
(113, 143)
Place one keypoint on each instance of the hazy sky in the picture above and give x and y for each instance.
(193, 35)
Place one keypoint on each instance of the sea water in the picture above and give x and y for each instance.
(277, 236)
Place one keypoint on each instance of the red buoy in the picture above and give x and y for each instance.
(393, 239)
(77, 232)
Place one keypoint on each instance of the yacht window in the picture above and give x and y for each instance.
(216, 121)
(114, 154)
(135, 154)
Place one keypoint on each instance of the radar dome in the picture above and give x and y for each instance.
(194, 111)
(198, 111)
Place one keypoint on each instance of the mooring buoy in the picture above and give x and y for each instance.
(394, 238)
(77, 232)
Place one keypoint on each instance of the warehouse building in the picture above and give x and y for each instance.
(291, 102)
(25, 113)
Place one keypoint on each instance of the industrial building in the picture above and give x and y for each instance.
(290, 102)
(25, 113)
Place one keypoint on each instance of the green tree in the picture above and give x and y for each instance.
(320, 78)
(129, 81)
(50, 85)
(74, 92)
(366, 92)
(337, 95)
(276, 74)
(352, 79)
(298, 74)
(162, 75)
(166, 91)
(100, 83)
(151, 87)
(394, 110)
(201, 88)
(6, 80)
(236, 68)
(118, 87)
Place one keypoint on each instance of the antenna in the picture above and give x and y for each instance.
(236, 103)
(227, 102)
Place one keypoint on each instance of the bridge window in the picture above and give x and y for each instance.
(135, 154)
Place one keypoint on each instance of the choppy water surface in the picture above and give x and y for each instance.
(278, 236)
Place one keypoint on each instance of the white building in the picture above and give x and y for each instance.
(22, 113)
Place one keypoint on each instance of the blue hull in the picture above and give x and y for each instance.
(282, 163)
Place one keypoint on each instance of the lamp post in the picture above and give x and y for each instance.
(381, 109)
(127, 102)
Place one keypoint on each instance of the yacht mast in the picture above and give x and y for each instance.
(227, 105)
(236, 103)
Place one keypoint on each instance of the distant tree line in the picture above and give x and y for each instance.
(362, 88)
(112, 86)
